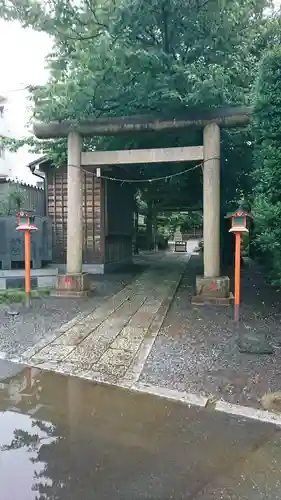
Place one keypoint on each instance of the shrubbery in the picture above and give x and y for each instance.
(266, 206)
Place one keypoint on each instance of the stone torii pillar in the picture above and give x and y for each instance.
(211, 200)
(211, 288)
(74, 282)
(74, 205)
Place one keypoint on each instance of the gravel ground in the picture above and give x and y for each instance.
(197, 351)
(19, 333)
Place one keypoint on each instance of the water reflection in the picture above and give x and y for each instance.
(57, 434)
(66, 439)
(24, 439)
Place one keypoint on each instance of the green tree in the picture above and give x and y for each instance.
(130, 56)
(122, 57)
(267, 174)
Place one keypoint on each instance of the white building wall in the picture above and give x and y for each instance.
(13, 125)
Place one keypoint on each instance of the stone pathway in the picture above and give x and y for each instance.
(22, 328)
(111, 344)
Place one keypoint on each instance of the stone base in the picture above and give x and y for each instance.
(73, 285)
(201, 300)
(212, 291)
(213, 287)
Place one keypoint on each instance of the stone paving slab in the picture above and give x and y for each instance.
(51, 353)
(130, 338)
(111, 343)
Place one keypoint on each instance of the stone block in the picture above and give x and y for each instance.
(46, 281)
(200, 300)
(213, 287)
(73, 285)
(20, 283)
(12, 244)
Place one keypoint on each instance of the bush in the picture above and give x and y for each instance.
(266, 207)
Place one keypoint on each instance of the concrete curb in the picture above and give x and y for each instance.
(171, 394)
(248, 412)
(222, 406)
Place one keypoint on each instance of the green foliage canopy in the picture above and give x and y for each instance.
(267, 173)
(122, 57)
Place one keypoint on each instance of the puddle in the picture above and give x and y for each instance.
(63, 438)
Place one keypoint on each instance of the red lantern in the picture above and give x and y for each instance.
(26, 224)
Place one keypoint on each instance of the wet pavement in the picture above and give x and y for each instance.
(63, 438)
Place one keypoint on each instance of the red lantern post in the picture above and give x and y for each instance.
(26, 224)
(238, 226)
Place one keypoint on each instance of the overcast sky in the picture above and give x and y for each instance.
(23, 53)
(22, 56)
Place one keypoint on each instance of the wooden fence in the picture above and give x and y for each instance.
(196, 233)
(14, 195)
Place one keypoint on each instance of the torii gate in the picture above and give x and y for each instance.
(210, 121)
